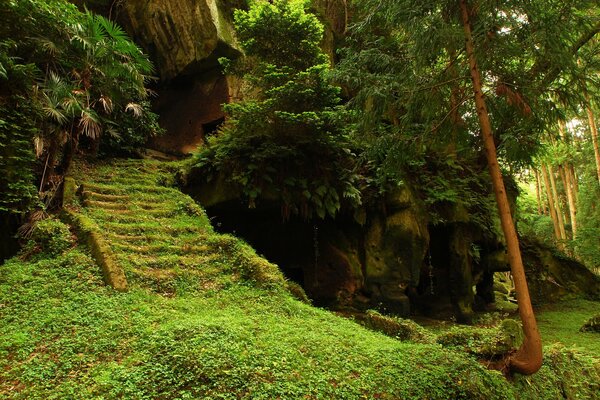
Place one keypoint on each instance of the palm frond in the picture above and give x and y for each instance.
(38, 145)
(106, 103)
(135, 108)
(90, 124)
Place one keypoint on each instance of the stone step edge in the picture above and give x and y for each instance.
(89, 232)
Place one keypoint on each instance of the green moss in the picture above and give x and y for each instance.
(398, 328)
(561, 322)
(217, 322)
(483, 342)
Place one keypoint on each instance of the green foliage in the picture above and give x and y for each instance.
(587, 243)
(530, 222)
(64, 334)
(82, 78)
(283, 142)
(17, 191)
(51, 237)
(404, 66)
(484, 342)
(566, 373)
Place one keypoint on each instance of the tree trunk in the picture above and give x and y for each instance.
(553, 216)
(538, 194)
(564, 174)
(528, 359)
(594, 130)
(559, 216)
(568, 184)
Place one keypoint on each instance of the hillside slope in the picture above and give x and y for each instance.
(203, 317)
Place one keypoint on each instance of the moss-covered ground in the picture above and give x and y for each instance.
(561, 323)
(205, 318)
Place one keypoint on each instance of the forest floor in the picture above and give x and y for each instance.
(205, 318)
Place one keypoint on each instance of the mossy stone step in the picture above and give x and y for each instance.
(168, 261)
(158, 229)
(89, 195)
(128, 215)
(181, 239)
(107, 205)
(119, 180)
(116, 190)
(156, 249)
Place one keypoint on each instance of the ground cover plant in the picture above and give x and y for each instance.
(239, 334)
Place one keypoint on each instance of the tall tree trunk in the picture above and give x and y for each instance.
(528, 359)
(553, 216)
(574, 182)
(564, 175)
(538, 195)
(568, 184)
(555, 199)
(594, 131)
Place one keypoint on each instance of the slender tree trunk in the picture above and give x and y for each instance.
(537, 193)
(564, 173)
(553, 216)
(559, 215)
(574, 182)
(528, 359)
(568, 184)
(594, 131)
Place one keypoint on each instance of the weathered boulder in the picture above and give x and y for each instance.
(552, 276)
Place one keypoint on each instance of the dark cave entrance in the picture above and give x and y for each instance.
(447, 280)
(289, 244)
(210, 128)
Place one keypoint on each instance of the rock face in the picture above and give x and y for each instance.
(395, 246)
(190, 109)
(551, 276)
(183, 37)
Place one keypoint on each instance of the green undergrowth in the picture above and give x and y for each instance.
(562, 322)
(235, 333)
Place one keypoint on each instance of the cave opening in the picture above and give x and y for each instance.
(289, 244)
(211, 127)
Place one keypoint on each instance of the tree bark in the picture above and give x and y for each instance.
(569, 187)
(574, 182)
(553, 216)
(570, 199)
(538, 194)
(559, 216)
(594, 131)
(528, 359)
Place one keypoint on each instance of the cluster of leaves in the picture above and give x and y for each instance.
(587, 242)
(69, 75)
(17, 190)
(283, 142)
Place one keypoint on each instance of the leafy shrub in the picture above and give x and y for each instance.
(51, 237)
(68, 79)
(282, 143)
(484, 342)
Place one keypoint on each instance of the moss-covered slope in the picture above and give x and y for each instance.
(216, 322)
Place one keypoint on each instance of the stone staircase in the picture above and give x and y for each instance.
(156, 235)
